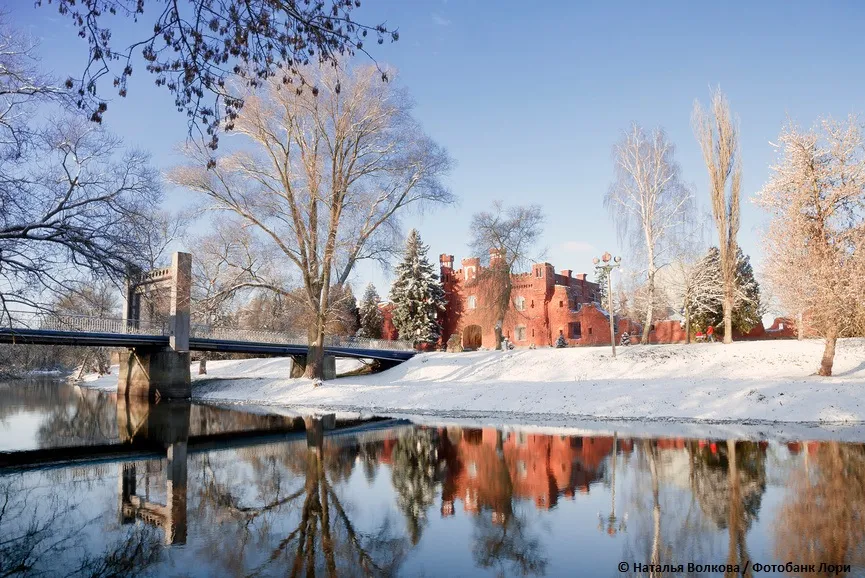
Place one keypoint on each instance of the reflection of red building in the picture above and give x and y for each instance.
(490, 469)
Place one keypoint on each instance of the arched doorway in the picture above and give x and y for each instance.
(472, 337)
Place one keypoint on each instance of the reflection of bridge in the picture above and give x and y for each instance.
(162, 432)
(158, 362)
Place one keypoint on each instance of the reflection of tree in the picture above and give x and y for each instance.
(823, 519)
(308, 528)
(39, 530)
(507, 544)
(416, 469)
(714, 480)
(92, 418)
(503, 539)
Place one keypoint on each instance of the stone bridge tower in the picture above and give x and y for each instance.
(159, 372)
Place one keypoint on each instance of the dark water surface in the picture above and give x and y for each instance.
(193, 490)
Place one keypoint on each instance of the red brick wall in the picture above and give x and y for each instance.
(549, 303)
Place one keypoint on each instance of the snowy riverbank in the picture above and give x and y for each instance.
(757, 382)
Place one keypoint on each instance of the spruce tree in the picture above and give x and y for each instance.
(371, 318)
(706, 303)
(417, 294)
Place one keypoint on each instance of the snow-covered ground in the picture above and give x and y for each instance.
(755, 383)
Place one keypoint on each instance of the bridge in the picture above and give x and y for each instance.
(157, 365)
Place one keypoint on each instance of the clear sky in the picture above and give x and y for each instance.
(529, 97)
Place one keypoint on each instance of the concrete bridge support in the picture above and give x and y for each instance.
(161, 373)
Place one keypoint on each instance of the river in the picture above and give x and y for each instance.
(95, 486)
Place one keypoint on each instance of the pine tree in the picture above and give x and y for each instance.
(706, 302)
(371, 318)
(417, 294)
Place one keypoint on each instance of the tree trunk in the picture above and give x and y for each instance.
(728, 311)
(828, 355)
(202, 364)
(315, 351)
(687, 325)
(649, 309)
(800, 332)
(497, 330)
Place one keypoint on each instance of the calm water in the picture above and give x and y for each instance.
(206, 491)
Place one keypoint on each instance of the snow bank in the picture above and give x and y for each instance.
(766, 381)
(754, 384)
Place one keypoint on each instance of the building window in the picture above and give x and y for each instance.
(520, 333)
(533, 303)
(473, 302)
(575, 330)
(590, 330)
(561, 303)
(520, 303)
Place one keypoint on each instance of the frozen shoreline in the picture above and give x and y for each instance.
(761, 388)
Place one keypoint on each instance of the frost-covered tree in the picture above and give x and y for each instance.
(815, 245)
(689, 279)
(706, 303)
(417, 294)
(371, 318)
(647, 201)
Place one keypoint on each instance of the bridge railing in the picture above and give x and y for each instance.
(246, 335)
(288, 338)
(48, 321)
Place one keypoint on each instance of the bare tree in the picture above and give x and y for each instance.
(648, 201)
(69, 203)
(718, 135)
(324, 178)
(816, 196)
(194, 46)
(507, 235)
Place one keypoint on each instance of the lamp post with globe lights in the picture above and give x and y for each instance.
(608, 267)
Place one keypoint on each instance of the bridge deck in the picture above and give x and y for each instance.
(106, 339)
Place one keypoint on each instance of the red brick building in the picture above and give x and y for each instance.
(544, 304)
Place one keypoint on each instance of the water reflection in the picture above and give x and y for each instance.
(213, 492)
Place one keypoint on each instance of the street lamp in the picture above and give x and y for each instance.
(608, 267)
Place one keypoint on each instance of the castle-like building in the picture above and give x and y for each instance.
(544, 304)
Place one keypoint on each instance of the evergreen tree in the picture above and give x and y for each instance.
(706, 303)
(415, 472)
(601, 280)
(417, 294)
(371, 318)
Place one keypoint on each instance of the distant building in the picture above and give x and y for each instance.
(543, 305)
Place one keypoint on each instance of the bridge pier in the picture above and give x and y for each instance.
(154, 374)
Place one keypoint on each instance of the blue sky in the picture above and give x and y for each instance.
(530, 97)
